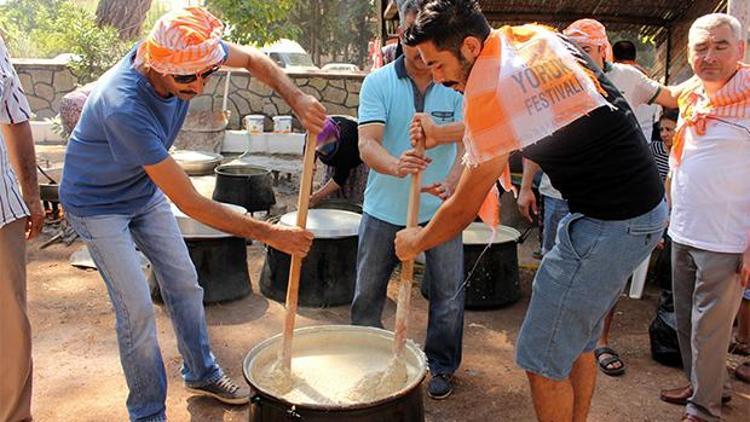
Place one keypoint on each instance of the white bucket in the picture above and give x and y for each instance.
(282, 124)
(254, 123)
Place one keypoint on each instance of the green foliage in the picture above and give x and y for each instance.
(46, 28)
(254, 21)
(335, 30)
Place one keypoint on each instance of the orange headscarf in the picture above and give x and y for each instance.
(183, 42)
(591, 32)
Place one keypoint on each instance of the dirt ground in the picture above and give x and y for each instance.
(77, 374)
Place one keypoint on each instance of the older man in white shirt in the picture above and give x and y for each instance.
(710, 221)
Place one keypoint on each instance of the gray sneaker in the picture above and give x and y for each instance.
(224, 390)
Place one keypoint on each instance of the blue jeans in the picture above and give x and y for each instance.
(577, 283)
(554, 211)
(376, 259)
(112, 240)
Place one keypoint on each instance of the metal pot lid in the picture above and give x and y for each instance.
(194, 229)
(480, 234)
(195, 157)
(327, 223)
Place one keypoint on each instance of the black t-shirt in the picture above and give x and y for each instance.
(346, 155)
(601, 163)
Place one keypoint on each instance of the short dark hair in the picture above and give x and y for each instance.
(624, 50)
(447, 23)
(669, 114)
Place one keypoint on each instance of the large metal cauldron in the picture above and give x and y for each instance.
(244, 185)
(329, 271)
(494, 281)
(346, 352)
(220, 260)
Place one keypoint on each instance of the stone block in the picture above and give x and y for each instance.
(281, 105)
(44, 91)
(238, 81)
(353, 86)
(259, 88)
(311, 91)
(46, 113)
(37, 103)
(64, 81)
(352, 100)
(338, 83)
(318, 83)
(334, 95)
(269, 109)
(26, 83)
(43, 76)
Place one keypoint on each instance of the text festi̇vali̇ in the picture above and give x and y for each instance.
(546, 84)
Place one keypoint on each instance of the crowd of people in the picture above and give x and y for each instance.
(471, 95)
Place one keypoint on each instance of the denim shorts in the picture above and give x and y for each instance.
(577, 283)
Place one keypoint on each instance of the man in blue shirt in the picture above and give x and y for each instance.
(116, 173)
(389, 99)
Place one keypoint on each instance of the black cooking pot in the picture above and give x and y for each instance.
(329, 271)
(244, 185)
(492, 279)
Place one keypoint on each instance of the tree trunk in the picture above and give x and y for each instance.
(125, 15)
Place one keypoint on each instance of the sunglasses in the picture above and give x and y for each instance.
(187, 79)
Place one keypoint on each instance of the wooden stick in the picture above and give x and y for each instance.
(294, 271)
(407, 267)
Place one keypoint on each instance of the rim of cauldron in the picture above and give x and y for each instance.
(356, 406)
(226, 170)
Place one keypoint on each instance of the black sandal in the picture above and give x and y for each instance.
(605, 363)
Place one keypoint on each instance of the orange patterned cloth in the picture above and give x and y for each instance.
(183, 42)
(731, 101)
(524, 86)
(590, 32)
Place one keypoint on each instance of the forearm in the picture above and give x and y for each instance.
(20, 144)
(449, 133)
(328, 188)
(461, 208)
(455, 173)
(530, 170)
(377, 157)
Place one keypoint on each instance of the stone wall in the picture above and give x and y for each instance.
(47, 81)
(338, 92)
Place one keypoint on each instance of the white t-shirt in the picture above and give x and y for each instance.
(546, 188)
(711, 188)
(13, 109)
(638, 90)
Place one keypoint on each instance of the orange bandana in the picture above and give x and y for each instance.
(524, 86)
(731, 101)
(590, 32)
(183, 42)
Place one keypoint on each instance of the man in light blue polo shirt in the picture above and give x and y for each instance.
(389, 99)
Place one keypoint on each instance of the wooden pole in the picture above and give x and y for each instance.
(740, 9)
(407, 267)
(292, 291)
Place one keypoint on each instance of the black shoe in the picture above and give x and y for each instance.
(224, 390)
(440, 386)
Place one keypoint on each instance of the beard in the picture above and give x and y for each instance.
(464, 70)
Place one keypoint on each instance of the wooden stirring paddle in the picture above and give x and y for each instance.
(407, 267)
(292, 291)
